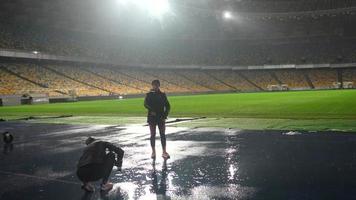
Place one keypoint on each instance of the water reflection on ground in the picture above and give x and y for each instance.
(205, 164)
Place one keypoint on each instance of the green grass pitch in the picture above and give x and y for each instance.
(330, 105)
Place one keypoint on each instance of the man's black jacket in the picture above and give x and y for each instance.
(156, 101)
(95, 153)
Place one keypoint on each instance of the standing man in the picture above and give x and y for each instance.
(158, 107)
(96, 163)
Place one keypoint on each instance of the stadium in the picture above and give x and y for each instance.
(262, 99)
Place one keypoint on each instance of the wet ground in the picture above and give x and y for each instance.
(205, 164)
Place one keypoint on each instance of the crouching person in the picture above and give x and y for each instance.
(96, 163)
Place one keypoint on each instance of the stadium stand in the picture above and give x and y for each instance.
(14, 84)
(174, 78)
(204, 80)
(145, 77)
(85, 77)
(131, 85)
(305, 49)
(294, 79)
(349, 75)
(323, 79)
(233, 79)
(55, 82)
(261, 79)
(58, 80)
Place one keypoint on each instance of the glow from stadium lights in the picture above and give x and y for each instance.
(122, 2)
(155, 8)
(227, 15)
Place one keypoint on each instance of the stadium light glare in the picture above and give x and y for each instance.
(227, 15)
(122, 2)
(155, 8)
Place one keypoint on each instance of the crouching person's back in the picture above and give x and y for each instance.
(96, 164)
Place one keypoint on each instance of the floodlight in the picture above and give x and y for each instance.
(227, 15)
